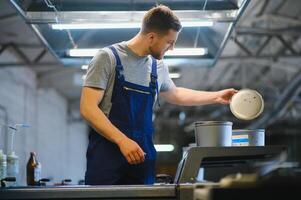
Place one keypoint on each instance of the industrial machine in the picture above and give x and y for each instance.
(221, 160)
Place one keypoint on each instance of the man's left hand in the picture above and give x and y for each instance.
(224, 96)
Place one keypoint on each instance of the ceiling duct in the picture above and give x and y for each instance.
(209, 24)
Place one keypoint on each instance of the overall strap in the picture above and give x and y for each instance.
(154, 80)
(119, 66)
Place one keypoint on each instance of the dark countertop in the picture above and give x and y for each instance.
(82, 191)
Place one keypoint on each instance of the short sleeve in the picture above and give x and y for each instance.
(99, 71)
(167, 83)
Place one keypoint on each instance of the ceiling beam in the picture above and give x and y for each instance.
(25, 60)
(278, 18)
(7, 16)
(253, 58)
(262, 46)
(242, 47)
(22, 45)
(3, 48)
(20, 53)
(124, 16)
(287, 45)
(40, 56)
(263, 7)
(22, 64)
(292, 31)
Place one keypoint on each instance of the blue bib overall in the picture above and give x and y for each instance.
(131, 113)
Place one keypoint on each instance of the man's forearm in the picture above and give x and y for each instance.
(99, 121)
(189, 97)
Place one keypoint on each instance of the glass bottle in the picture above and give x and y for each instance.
(33, 170)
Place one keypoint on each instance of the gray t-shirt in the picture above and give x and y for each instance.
(137, 69)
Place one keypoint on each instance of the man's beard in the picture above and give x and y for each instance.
(155, 54)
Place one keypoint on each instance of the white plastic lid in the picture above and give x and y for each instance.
(246, 104)
(12, 154)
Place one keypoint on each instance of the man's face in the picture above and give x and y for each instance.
(162, 43)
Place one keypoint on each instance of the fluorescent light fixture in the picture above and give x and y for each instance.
(97, 25)
(82, 52)
(164, 147)
(197, 23)
(186, 52)
(85, 67)
(122, 25)
(174, 52)
(174, 75)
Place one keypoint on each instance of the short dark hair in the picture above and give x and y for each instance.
(160, 19)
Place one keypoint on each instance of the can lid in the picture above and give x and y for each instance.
(246, 104)
(212, 123)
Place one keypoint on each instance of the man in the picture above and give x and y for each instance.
(120, 90)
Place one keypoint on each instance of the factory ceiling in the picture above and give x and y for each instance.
(67, 27)
(261, 50)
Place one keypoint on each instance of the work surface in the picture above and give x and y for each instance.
(165, 191)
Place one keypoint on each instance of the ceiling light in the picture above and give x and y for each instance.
(174, 75)
(85, 67)
(97, 26)
(197, 23)
(82, 52)
(164, 147)
(187, 52)
(174, 52)
(121, 25)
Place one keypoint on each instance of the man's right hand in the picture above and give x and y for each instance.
(131, 151)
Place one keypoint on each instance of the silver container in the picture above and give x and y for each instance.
(213, 133)
(247, 137)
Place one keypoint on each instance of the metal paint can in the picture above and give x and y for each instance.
(213, 133)
(248, 137)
